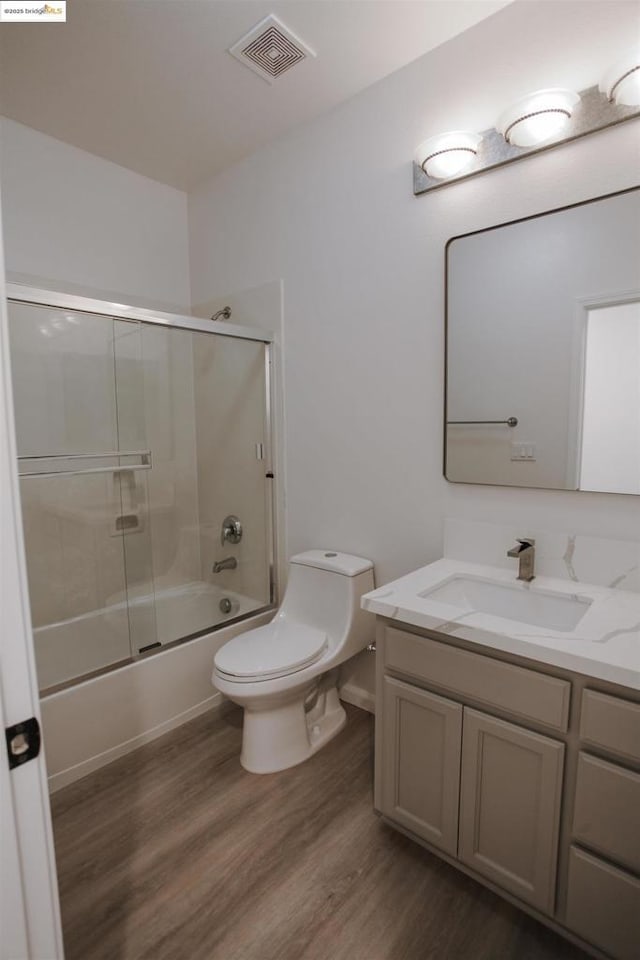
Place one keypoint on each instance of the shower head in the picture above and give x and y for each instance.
(225, 313)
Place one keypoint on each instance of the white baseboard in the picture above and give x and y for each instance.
(358, 696)
(79, 770)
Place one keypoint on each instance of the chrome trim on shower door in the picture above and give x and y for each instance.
(87, 456)
(145, 463)
(271, 501)
(122, 311)
(84, 473)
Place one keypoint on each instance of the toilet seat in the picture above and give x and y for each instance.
(275, 650)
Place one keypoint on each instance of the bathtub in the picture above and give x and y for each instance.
(101, 638)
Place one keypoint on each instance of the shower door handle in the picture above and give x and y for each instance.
(231, 530)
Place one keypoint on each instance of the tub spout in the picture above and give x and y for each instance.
(229, 563)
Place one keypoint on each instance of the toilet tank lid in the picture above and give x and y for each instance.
(334, 561)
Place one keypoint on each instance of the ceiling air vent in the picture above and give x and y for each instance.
(270, 49)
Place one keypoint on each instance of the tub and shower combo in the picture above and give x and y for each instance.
(146, 478)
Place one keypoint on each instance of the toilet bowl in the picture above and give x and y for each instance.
(284, 674)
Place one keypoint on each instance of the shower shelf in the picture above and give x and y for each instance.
(144, 455)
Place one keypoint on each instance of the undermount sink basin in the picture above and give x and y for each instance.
(518, 602)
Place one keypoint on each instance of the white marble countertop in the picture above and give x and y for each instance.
(604, 644)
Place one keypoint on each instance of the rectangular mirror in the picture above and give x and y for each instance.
(543, 350)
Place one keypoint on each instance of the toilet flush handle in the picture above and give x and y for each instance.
(231, 530)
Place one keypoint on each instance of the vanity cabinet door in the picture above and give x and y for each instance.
(510, 807)
(422, 736)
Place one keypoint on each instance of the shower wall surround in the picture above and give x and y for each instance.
(260, 306)
(135, 440)
(192, 404)
(77, 565)
(84, 384)
(228, 402)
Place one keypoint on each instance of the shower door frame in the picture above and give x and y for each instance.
(112, 310)
(23, 293)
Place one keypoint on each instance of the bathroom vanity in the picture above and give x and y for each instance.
(508, 739)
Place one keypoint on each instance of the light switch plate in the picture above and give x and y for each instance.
(523, 450)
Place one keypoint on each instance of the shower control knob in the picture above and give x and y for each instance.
(231, 530)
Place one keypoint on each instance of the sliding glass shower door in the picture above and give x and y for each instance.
(136, 441)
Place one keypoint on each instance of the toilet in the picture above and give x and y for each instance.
(284, 674)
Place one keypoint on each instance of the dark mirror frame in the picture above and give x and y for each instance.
(483, 230)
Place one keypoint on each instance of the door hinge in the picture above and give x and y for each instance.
(23, 742)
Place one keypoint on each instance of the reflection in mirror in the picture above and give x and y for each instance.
(543, 350)
(610, 449)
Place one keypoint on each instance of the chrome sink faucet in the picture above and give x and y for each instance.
(525, 552)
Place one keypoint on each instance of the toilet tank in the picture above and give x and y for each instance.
(324, 591)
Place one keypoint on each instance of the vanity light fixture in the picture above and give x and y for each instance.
(542, 121)
(621, 82)
(448, 154)
(537, 117)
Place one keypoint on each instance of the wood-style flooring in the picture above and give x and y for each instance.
(174, 852)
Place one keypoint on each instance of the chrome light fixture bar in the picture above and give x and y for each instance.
(591, 111)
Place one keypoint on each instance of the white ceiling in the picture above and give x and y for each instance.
(149, 84)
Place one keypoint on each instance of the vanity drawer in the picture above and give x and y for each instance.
(521, 692)
(611, 723)
(603, 905)
(606, 815)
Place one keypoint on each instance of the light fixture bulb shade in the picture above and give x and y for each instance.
(448, 153)
(621, 82)
(537, 117)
